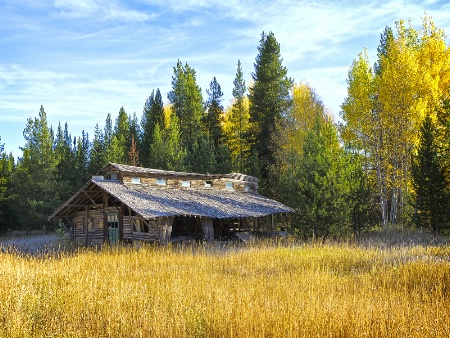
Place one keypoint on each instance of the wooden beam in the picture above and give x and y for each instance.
(113, 202)
(90, 198)
(144, 221)
(83, 205)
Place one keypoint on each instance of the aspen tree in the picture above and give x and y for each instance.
(236, 123)
(384, 109)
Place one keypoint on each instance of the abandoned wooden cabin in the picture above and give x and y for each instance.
(128, 203)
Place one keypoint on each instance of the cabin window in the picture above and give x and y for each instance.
(160, 181)
(111, 176)
(185, 184)
(91, 223)
(113, 220)
(208, 184)
(136, 180)
(247, 188)
(229, 185)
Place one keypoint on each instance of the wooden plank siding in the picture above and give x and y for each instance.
(130, 232)
(127, 228)
(145, 237)
(93, 230)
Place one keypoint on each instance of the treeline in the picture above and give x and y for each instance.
(385, 163)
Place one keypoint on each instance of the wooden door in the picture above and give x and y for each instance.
(113, 227)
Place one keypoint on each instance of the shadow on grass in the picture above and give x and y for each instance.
(397, 237)
(36, 245)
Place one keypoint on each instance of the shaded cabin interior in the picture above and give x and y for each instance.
(128, 204)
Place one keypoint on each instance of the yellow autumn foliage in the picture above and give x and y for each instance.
(235, 126)
(306, 106)
(384, 109)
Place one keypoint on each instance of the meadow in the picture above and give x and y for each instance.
(291, 290)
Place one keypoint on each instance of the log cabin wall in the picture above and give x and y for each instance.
(93, 228)
(95, 232)
(177, 183)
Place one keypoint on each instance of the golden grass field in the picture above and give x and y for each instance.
(309, 290)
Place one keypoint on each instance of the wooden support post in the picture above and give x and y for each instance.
(208, 229)
(86, 225)
(121, 217)
(105, 218)
(166, 229)
(131, 223)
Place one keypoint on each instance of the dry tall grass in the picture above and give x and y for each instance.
(305, 291)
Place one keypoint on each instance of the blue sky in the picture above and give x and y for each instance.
(83, 59)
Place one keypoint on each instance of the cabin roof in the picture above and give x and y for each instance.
(152, 202)
(149, 172)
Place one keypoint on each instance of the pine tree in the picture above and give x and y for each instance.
(34, 185)
(187, 103)
(201, 156)
(386, 38)
(166, 151)
(108, 132)
(82, 159)
(6, 170)
(65, 175)
(269, 100)
(122, 134)
(116, 140)
(223, 160)
(153, 114)
(213, 117)
(429, 182)
(158, 149)
(322, 191)
(98, 151)
(134, 132)
(175, 150)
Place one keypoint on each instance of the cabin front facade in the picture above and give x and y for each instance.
(128, 203)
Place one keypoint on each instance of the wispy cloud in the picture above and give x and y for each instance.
(99, 9)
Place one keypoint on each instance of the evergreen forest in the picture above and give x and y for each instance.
(383, 161)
